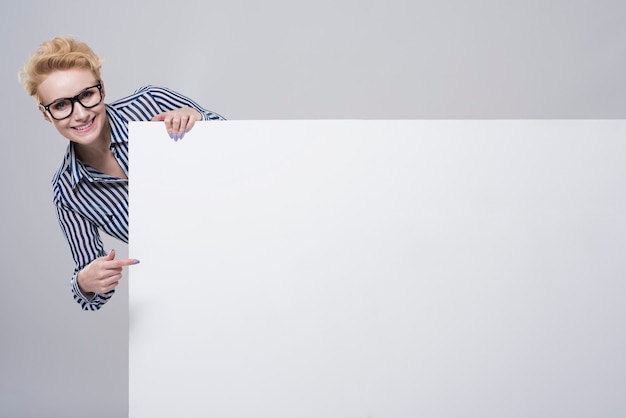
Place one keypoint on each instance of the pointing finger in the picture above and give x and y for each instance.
(114, 264)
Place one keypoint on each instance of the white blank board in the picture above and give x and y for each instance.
(391, 269)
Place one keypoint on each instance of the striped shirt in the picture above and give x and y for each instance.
(88, 201)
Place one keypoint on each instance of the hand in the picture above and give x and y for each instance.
(178, 122)
(102, 275)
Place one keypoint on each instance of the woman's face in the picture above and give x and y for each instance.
(85, 126)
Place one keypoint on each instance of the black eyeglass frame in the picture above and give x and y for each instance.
(73, 100)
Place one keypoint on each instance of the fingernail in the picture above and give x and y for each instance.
(136, 261)
(186, 130)
(171, 135)
(180, 136)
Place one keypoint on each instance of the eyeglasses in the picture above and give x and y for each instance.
(62, 108)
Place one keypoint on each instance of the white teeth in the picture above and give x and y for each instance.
(82, 128)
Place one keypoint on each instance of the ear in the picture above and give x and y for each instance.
(45, 114)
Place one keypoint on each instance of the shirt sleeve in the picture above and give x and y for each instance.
(85, 245)
(167, 100)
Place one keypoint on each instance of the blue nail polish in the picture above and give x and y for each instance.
(171, 135)
(136, 261)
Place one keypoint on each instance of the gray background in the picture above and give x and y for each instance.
(260, 60)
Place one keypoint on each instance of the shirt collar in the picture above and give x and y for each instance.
(118, 124)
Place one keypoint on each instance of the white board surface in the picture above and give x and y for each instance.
(378, 269)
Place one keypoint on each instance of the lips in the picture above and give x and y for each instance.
(84, 127)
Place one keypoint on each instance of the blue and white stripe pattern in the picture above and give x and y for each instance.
(88, 201)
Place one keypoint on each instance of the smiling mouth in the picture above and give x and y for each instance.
(84, 127)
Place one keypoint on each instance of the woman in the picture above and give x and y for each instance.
(90, 189)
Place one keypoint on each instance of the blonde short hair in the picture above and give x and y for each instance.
(60, 53)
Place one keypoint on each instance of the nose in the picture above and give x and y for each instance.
(80, 113)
